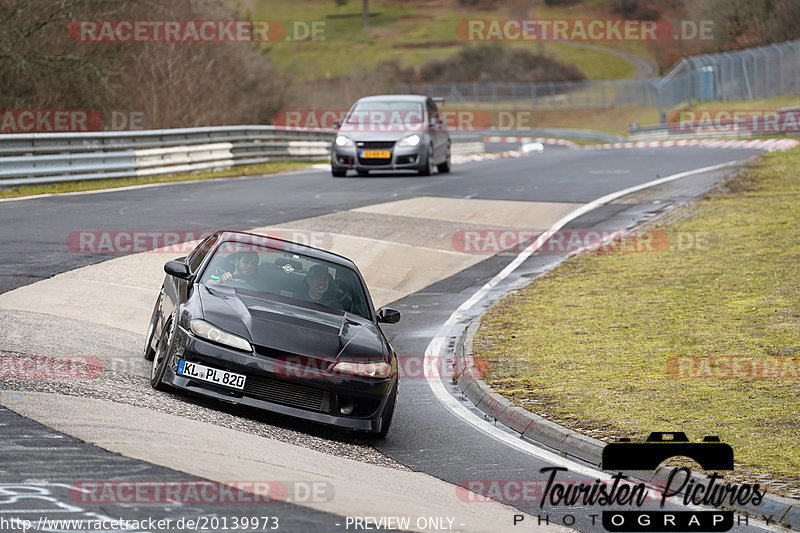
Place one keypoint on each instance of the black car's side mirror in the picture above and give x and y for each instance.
(389, 316)
(177, 269)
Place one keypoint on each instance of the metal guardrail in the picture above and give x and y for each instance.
(37, 158)
(55, 157)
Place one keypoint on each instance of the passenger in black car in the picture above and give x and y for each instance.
(319, 284)
(323, 289)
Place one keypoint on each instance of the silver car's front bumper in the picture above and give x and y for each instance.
(401, 158)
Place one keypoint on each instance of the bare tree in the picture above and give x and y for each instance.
(174, 84)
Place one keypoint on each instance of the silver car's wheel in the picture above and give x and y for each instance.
(428, 167)
(444, 167)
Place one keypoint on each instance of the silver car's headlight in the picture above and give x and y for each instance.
(208, 331)
(341, 140)
(410, 140)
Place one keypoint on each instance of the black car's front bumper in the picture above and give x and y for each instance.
(400, 158)
(306, 392)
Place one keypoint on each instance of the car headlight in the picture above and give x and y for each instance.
(341, 140)
(411, 140)
(366, 370)
(207, 331)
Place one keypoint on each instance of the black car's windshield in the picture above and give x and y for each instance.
(273, 271)
(372, 111)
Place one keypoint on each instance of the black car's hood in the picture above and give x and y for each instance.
(278, 326)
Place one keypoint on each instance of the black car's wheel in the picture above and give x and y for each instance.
(388, 413)
(363, 172)
(444, 168)
(162, 350)
(338, 172)
(149, 352)
(427, 165)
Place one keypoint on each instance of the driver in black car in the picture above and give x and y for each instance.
(246, 271)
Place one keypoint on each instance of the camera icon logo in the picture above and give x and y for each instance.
(711, 454)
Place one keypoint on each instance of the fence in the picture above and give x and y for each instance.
(548, 95)
(749, 74)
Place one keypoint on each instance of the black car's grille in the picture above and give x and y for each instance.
(266, 351)
(375, 145)
(287, 393)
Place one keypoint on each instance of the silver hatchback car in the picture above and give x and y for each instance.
(391, 132)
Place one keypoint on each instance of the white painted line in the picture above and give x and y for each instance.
(437, 346)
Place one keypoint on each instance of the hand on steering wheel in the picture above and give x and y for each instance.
(227, 277)
(344, 299)
(243, 281)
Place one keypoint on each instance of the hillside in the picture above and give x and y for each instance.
(414, 32)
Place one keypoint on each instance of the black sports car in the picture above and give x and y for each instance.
(275, 325)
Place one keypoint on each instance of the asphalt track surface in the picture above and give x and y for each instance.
(40, 466)
(425, 436)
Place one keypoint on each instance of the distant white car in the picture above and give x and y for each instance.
(533, 147)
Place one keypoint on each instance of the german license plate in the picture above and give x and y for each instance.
(211, 375)
(376, 154)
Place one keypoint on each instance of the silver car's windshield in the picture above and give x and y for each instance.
(373, 111)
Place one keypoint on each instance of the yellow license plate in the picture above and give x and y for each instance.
(376, 154)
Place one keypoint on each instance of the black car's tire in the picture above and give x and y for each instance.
(161, 354)
(444, 168)
(338, 172)
(427, 167)
(387, 414)
(148, 351)
(363, 172)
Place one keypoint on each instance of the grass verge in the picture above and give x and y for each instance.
(588, 344)
(93, 185)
